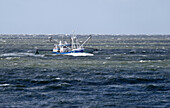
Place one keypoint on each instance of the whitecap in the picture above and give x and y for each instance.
(3, 85)
(12, 58)
(143, 61)
(108, 58)
(64, 84)
(20, 55)
(57, 78)
(4, 41)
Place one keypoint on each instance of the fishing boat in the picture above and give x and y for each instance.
(73, 49)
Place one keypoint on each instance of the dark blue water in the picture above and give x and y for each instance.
(126, 71)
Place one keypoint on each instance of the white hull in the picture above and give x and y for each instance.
(79, 54)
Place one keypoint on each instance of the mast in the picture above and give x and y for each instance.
(74, 42)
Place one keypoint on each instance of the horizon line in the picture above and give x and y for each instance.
(81, 34)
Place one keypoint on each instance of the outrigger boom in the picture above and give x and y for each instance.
(86, 40)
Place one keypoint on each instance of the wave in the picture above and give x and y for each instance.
(154, 87)
(20, 55)
(4, 85)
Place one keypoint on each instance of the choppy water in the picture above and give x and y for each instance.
(127, 71)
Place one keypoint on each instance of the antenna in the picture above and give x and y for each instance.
(72, 40)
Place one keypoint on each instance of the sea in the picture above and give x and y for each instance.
(126, 71)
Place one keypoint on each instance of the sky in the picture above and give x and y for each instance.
(85, 16)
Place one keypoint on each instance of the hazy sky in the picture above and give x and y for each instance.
(85, 16)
